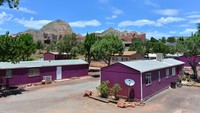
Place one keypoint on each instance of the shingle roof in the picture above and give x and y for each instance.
(31, 64)
(150, 65)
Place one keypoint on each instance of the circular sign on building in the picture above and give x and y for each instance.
(129, 82)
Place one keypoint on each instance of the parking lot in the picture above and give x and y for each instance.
(67, 97)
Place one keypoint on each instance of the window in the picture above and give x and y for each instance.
(33, 72)
(148, 79)
(173, 71)
(167, 73)
(158, 76)
(8, 73)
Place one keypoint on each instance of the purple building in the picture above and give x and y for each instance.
(36, 71)
(56, 56)
(184, 59)
(150, 76)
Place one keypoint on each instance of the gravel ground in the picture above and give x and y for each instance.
(67, 97)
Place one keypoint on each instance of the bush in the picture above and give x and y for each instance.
(115, 89)
(104, 89)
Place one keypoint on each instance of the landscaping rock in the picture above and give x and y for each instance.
(87, 93)
(122, 104)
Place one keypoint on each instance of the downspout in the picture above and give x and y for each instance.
(141, 89)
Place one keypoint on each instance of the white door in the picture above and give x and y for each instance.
(59, 73)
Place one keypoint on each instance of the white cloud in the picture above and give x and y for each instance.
(150, 3)
(144, 22)
(112, 17)
(21, 9)
(192, 13)
(25, 10)
(83, 24)
(31, 23)
(1, 29)
(100, 31)
(5, 17)
(116, 11)
(110, 23)
(194, 16)
(167, 20)
(172, 32)
(156, 35)
(183, 25)
(195, 21)
(167, 12)
(188, 31)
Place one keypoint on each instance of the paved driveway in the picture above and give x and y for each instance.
(66, 97)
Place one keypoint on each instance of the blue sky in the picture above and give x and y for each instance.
(156, 18)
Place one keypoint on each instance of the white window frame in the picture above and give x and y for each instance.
(167, 73)
(173, 71)
(159, 79)
(33, 72)
(148, 76)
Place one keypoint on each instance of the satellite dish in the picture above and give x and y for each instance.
(129, 82)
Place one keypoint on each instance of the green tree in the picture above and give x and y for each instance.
(107, 47)
(159, 47)
(67, 43)
(153, 39)
(11, 3)
(27, 46)
(115, 89)
(198, 28)
(40, 45)
(137, 45)
(191, 49)
(163, 40)
(9, 49)
(89, 41)
(171, 39)
(104, 89)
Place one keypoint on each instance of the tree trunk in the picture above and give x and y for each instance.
(89, 58)
(109, 59)
(194, 69)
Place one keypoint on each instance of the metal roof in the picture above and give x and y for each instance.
(46, 63)
(150, 65)
(126, 53)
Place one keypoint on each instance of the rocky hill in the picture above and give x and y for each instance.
(124, 35)
(51, 31)
(57, 29)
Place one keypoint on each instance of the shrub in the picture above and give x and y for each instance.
(104, 89)
(115, 89)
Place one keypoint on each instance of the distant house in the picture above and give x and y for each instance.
(35, 71)
(56, 56)
(150, 76)
(126, 56)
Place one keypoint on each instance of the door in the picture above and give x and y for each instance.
(59, 73)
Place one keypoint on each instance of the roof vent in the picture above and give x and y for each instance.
(159, 57)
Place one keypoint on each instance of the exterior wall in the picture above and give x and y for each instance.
(183, 59)
(74, 71)
(117, 73)
(127, 57)
(157, 86)
(49, 56)
(21, 76)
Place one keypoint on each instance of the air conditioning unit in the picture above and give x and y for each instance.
(159, 57)
(47, 79)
